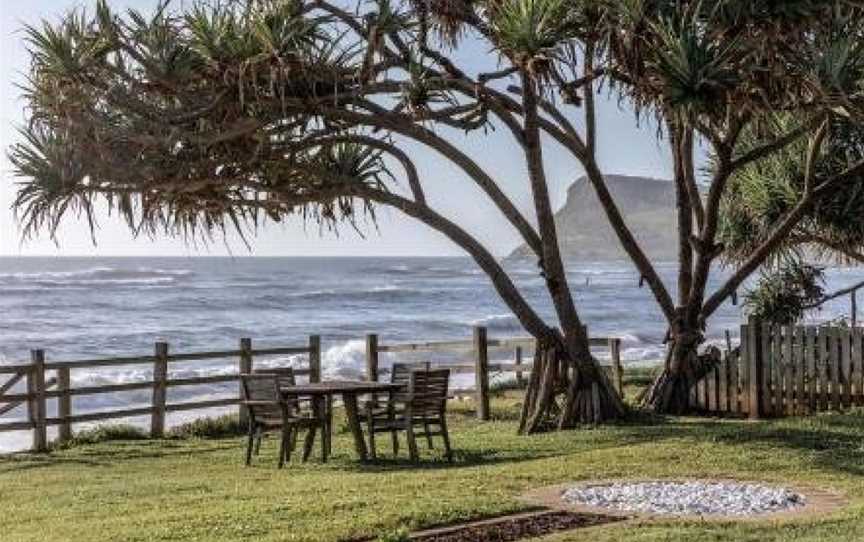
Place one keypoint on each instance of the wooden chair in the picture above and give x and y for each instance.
(423, 405)
(304, 408)
(269, 412)
(400, 373)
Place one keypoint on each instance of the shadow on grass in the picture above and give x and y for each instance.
(112, 453)
(830, 442)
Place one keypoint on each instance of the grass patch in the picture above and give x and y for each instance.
(198, 489)
(100, 434)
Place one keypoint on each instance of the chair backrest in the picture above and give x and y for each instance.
(261, 396)
(400, 373)
(285, 374)
(284, 377)
(427, 391)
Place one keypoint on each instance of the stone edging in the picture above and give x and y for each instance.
(818, 501)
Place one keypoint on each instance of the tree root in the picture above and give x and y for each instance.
(562, 394)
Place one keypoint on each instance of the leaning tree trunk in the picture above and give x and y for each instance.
(563, 393)
(685, 366)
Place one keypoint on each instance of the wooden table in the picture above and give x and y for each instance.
(349, 390)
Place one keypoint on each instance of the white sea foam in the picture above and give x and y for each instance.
(495, 319)
(94, 276)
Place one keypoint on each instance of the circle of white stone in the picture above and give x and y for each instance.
(686, 498)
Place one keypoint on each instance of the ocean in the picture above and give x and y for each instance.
(76, 308)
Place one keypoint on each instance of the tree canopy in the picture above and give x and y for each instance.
(223, 113)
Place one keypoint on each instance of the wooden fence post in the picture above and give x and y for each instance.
(245, 369)
(520, 380)
(617, 369)
(734, 386)
(160, 389)
(754, 369)
(314, 358)
(64, 404)
(372, 357)
(481, 372)
(40, 429)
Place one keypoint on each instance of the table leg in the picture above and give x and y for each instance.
(351, 412)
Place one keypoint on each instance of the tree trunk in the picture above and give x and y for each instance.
(685, 366)
(564, 392)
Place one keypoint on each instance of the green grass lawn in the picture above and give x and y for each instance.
(198, 489)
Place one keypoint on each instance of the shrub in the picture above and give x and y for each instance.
(227, 425)
(102, 433)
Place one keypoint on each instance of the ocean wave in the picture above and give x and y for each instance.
(493, 319)
(95, 276)
(381, 292)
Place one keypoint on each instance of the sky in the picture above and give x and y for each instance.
(624, 147)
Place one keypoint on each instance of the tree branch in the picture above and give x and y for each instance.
(780, 232)
(551, 263)
(773, 146)
(401, 124)
(835, 295)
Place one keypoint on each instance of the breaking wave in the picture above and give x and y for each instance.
(96, 276)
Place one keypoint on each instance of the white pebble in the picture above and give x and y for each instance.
(686, 498)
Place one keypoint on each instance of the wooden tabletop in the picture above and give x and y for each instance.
(333, 387)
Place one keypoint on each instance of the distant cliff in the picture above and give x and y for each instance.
(648, 207)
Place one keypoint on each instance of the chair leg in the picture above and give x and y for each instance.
(259, 435)
(307, 445)
(412, 443)
(325, 443)
(283, 445)
(428, 435)
(293, 443)
(249, 445)
(288, 444)
(329, 426)
(446, 436)
(373, 453)
(394, 437)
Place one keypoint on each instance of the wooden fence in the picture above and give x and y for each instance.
(786, 370)
(479, 348)
(39, 386)
(46, 380)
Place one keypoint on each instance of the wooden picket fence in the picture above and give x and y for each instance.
(785, 371)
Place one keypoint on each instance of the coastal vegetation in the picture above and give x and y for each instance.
(214, 116)
(744, 82)
(209, 116)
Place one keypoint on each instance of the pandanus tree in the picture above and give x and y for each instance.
(830, 231)
(220, 115)
(717, 76)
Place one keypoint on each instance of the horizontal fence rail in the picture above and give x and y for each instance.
(479, 364)
(41, 389)
(48, 380)
(786, 371)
